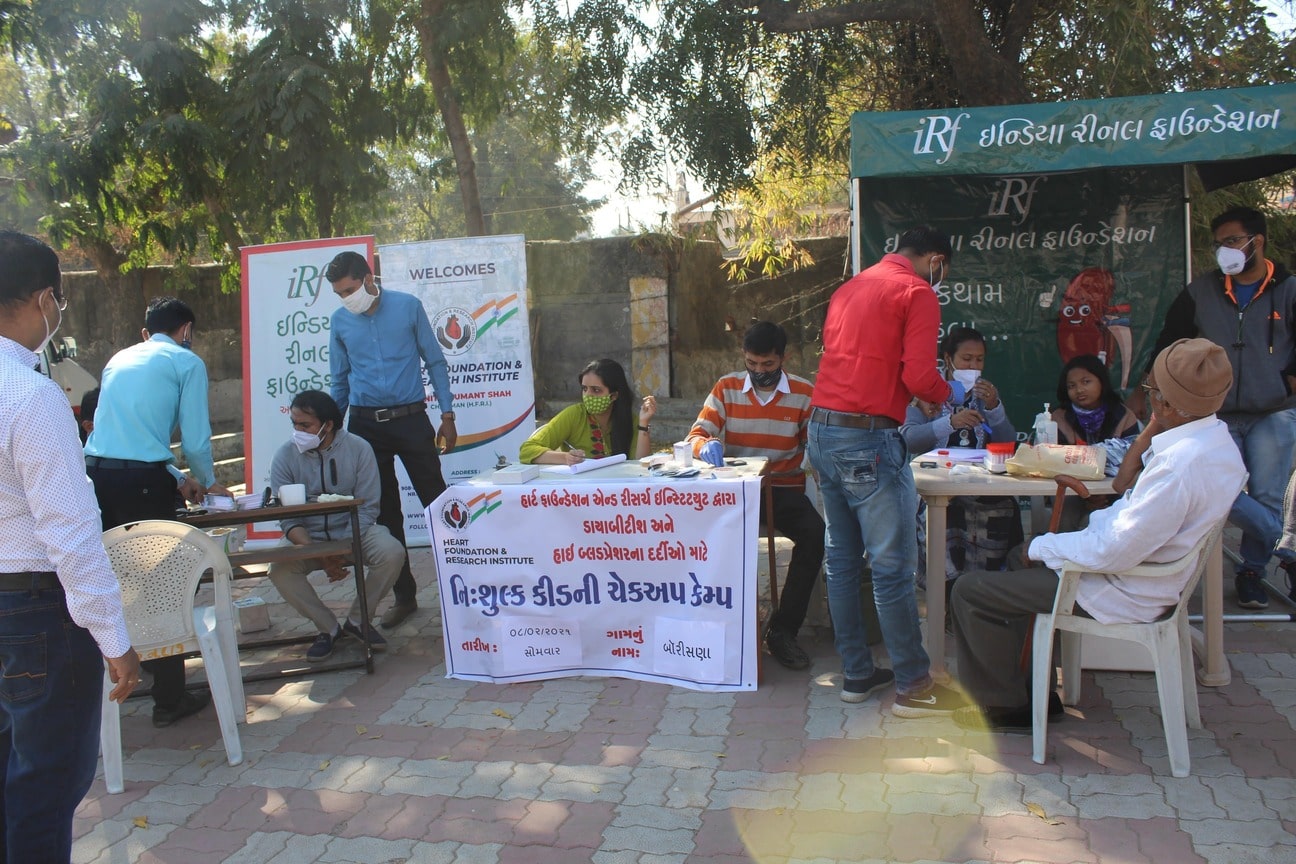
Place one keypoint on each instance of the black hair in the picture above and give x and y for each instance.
(319, 404)
(347, 265)
(614, 379)
(89, 405)
(1253, 221)
(167, 315)
(27, 266)
(1110, 399)
(924, 240)
(956, 337)
(765, 337)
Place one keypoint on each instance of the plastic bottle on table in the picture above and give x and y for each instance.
(1045, 427)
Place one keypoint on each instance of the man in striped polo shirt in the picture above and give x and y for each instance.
(763, 412)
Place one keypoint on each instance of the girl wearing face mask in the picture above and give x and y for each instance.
(974, 414)
(981, 529)
(601, 424)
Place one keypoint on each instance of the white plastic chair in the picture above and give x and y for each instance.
(1166, 639)
(158, 564)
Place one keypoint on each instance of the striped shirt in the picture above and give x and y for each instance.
(775, 431)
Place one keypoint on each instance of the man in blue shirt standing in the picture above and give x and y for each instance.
(379, 343)
(147, 391)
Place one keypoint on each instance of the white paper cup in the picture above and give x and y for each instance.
(292, 493)
(684, 453)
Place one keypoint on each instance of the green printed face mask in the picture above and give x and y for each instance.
(597, 404)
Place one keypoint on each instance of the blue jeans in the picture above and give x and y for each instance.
(870, 505)
(1265, 442)
(50, 696)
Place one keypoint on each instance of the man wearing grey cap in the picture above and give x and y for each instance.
(1178, 480)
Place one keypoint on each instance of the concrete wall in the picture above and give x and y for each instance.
(658, 305)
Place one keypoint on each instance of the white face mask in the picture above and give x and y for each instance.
(967, 377)
(931, 277)
(1232, 261)
(306, 441)
(359, 301)
(49, 333)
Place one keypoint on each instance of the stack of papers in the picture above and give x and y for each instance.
(948, 456)
(585, 465)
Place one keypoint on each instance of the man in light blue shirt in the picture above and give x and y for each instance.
(147, 391)
(379, 344)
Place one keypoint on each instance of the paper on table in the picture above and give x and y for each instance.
(585, 465)
(955, 455)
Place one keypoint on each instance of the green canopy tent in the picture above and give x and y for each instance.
(1069, 220)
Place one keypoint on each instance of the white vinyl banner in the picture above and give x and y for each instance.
(287, 303)
(474, 290)
(647, 580)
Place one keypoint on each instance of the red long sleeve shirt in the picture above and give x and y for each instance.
(880, 343)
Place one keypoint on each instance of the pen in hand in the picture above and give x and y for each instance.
(574, 451)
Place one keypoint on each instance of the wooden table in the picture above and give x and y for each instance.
(937, 488)
(241, 561)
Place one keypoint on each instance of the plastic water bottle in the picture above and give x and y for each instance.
(1045, 427)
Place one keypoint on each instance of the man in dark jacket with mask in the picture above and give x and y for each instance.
(1248, 307)
(327, 459)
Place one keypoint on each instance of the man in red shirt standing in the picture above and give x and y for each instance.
(879, 353)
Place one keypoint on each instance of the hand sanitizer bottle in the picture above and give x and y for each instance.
(1045, 427)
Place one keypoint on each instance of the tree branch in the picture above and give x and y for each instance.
(785, 16)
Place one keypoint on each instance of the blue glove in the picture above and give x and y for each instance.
(957, 393)
(712, 453)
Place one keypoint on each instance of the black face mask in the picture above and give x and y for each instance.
(765, 380)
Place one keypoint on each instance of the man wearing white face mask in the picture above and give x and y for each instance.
(379, 343)
(147, 391)
(1248, 307)
(325, 458)
(878, 338)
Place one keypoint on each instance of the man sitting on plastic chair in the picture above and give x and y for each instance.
(1187, 477)
(327, 459)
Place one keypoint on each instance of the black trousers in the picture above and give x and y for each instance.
(413, 439)
(129, 495)
(796, 518)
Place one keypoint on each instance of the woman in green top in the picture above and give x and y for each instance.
(600, 425)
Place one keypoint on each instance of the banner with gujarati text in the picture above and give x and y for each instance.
(650, 581)
(287, 305)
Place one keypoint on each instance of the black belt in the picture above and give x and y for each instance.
(854, 421)
(101, 462)
(29, 581)
(382, 415)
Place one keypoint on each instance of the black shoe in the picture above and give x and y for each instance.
(1250, 592)
(935, 701)
(322, 647)
(376, 642)
(1008, 720)
(784, 647)
(1289, 567)
(190, 703)
(400, 610)
(859, 689)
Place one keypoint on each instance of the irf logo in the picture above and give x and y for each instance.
(937, 132)
(305, 280)
(1014, 192)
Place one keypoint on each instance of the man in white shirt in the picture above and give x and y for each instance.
(1190, 475)
(60, 605)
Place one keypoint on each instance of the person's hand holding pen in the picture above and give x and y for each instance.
(571, 455)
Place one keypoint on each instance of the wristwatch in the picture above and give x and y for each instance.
(447, 415)
(644, 428)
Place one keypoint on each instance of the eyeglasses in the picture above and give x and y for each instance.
(1152, 391)
(59, 300)
(1234, 242)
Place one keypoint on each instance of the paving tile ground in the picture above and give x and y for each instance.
(409, 766)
